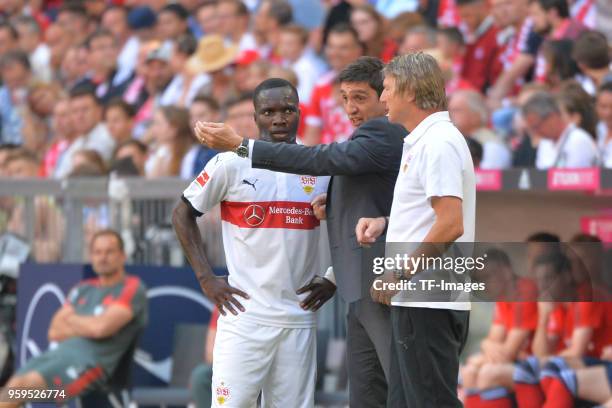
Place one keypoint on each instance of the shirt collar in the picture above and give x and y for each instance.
(425, 124)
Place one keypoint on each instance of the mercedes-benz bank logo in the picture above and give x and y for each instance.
(254, 215)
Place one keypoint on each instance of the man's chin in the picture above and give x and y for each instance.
(282, 137)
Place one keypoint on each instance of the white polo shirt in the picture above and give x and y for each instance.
(574, 149)
(436, 162)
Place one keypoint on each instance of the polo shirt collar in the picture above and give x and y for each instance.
(425, 124)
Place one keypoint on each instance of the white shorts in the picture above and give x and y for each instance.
(249, 358)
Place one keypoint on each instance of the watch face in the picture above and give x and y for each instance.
(242, 151)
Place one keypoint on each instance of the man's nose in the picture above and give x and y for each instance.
(279, 119)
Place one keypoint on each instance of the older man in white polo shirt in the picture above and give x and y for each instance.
(434, 202)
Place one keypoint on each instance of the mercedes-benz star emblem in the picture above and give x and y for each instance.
(254, 215)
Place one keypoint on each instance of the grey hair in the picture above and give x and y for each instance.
(475, 103)
(542, 104)
(419, 74)
(429, 33)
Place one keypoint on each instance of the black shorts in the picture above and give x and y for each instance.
(425, 356)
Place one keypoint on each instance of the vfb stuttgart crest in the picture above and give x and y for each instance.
(222, 393)
(254, 215)
(308, 183)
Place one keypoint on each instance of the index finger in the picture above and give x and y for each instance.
(303, 289)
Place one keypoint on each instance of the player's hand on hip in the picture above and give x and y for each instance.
(319, 205)
(217, 136)
(223, 295)
(321, 290)
(368, 229)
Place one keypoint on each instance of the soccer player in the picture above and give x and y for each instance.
(271, 240)
(99, 321)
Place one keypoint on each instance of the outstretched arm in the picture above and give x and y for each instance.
(369, 150)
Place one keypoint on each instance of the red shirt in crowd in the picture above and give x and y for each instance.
(573, 315)
(481, 64)
(326, 112)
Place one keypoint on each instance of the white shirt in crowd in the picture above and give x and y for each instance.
(605, 145)
(308, 69)
(126, 61)
(173, 92)
(40, 60)
(270, 235)
(436, 162)
(574, 149)
(98, 139)
(495, 153)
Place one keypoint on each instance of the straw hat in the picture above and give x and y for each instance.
(212, 55)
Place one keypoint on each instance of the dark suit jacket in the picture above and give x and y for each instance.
(365, 168)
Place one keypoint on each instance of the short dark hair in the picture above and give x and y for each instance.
(581, 237)
(186, 44)
(5, 25)
(465, 2)
(208, 101)
(560, 5)
(132, 142)
(281, 11)
(175, 8)
(605, 87)
(453, 34)
(344, 28)
(28, 21)
(74, 7)
(543, 236)
(364, 69)
(119, 103)
(99, 33)
(106, 232)
(241, 8)
(272, 83)
(591, 49)
(81, 90)
(243, 97)
(22, 153)
(15, 56)
(498, 256)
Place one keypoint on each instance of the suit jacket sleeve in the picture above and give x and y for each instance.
(366, 152)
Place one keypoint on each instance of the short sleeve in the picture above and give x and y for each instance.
(313, 112)
(210, 186)
(133, 296)
(498, 314)
(524, 315)
(442, 169)
(587, 314)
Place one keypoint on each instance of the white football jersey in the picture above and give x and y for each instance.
(270, 234)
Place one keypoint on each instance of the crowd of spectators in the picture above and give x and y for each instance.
(116, 85)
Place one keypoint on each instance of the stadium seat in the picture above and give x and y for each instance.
(187, 353)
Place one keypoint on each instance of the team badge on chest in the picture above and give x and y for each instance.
(308, 183)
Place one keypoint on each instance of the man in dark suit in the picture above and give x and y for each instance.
(364, 168)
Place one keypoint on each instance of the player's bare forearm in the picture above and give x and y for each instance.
(214, 287)
(60, 329)
(188, 234)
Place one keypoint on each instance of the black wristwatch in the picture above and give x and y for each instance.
(243, 149)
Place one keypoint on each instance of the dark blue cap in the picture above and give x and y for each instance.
(141, 17)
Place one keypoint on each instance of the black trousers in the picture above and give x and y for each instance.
(425, 356)
(368, 352)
